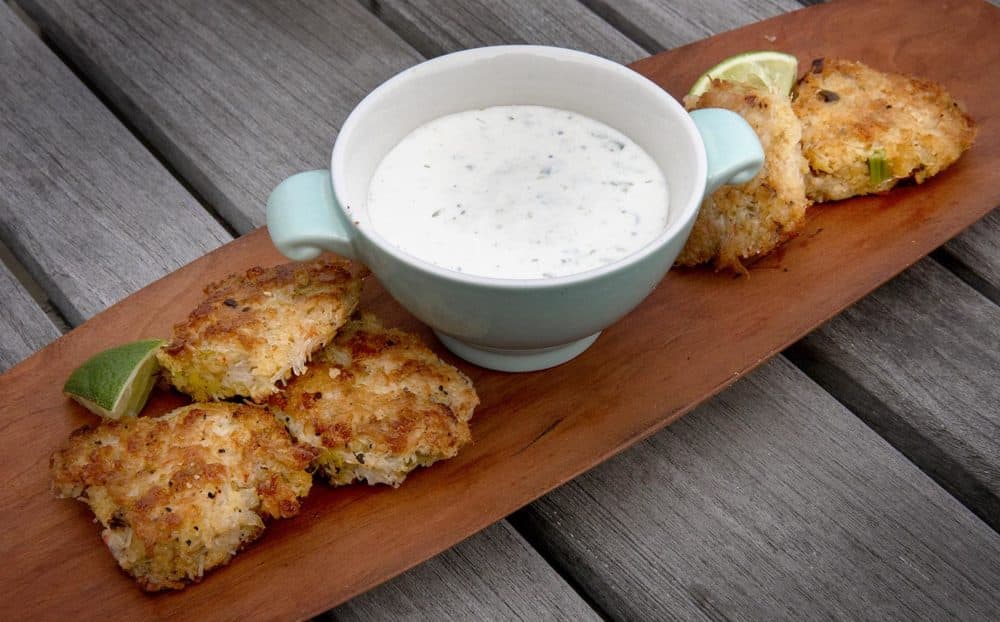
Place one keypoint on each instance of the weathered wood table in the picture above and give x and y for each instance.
(856, 476)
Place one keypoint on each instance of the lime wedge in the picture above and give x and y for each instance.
(116, 383)
(774, 71)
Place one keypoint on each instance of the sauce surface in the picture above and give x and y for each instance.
(521, 192)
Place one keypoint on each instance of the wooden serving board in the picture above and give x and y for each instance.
(697, 333)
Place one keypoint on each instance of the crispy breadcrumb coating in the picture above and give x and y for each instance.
(377, 403)
(180, 494)
(254, 330)
(743, 221)
(852, 113)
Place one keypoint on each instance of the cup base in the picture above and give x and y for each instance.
(517, 359)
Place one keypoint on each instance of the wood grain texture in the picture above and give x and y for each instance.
(974, 255)
(436, 28)
(24, 327)
(658, 25)
(919, 361)
(641, 374)
(770, 502)
(235, 95)
(495, 575)
(87, 209)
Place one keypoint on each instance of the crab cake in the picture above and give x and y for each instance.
(864, 130)
(181, 494)
(253, 330)
(377, 403)
(744, 221)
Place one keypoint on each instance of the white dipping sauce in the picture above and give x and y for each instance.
(521, 192)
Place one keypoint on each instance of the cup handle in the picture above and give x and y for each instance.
(303, 218)
(732, 147)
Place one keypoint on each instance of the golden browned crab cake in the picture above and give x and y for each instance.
(865, 130)
(377, 403)
(254, 329)
(181, 494)
(751, 219)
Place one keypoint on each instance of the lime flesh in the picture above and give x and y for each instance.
(773, 71)
(116, 383)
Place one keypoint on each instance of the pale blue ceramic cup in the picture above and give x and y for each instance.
(512, 324)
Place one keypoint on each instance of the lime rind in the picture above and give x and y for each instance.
(770, 70)
(117, 382)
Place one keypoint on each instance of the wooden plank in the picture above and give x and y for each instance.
(421, 21)
(430, 21)
(235, 95)
(643, 373)
(956, 466)
(961, 462)
(770, 502)
(87, 208)
(665, 25)
(33, 289)
(79, 542)
(24, 327)
(436, 28)
(918, 360)
(974, 255)
(495, 575)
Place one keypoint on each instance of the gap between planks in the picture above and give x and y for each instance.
(131, 129)
(845, 392)
(34, 289)
(122, 118)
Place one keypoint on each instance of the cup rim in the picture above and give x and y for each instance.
(689, 210)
